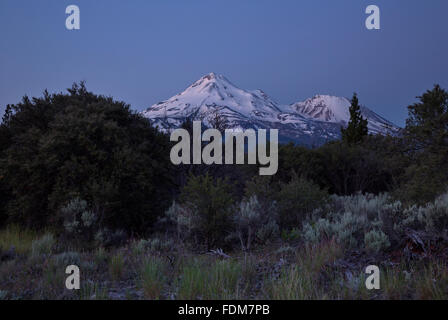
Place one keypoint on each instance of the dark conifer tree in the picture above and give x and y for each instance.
(357, 126)
(427, 125)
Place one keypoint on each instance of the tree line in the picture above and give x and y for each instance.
(80, 145)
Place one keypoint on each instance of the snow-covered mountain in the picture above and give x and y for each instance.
(311, 122)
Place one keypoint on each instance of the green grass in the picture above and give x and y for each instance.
(193, 281)
(293, 284)
(306, 272)
(116, 266)
(92, 291)
(204, 279)
(20, 239)
(153, 278)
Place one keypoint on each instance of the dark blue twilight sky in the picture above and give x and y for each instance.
(145, 51)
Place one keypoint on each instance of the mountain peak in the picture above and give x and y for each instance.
(324, 108)
(212, 76)
(313, 121)
(211, 81)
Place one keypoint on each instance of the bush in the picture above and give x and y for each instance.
(108, 238)
(432, 217)
(376, 221)
(252, 223)
(436, 215)
(79, 144)
(80, 223)
(67, 258)
(154, 245)
(203, 216)
(422, 182)
(348, 221)
(297, 200)
(43, 245)
(376, 241)
(314, 233)
(368, 205)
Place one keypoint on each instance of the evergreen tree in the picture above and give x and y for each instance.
(426, 135)
(357, 126)
(81, 145)
(427, 125)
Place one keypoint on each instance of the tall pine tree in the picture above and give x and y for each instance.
(357, 126)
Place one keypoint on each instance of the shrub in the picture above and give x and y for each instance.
(264, 188)
(267, 232)
(155, 245)
(432, 217)
(314, 233)
(297, 200)
(81, 144)
(80, 223)
(204, 214)
(108, 238)
(377, 221)
(368, 205)
(436, 215)
(376, 241)
(252, 223)
(67, 258)
(160, 245)
(346, 228)
(43, 245)
(351, 218)
(349, 229)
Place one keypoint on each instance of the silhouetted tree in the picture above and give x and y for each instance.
(357, 126)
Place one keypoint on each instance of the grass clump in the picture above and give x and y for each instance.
(219, 280)
(116, 266)
(153, 278)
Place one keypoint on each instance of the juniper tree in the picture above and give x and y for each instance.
(357, 126)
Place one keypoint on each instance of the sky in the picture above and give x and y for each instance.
(145, 51)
